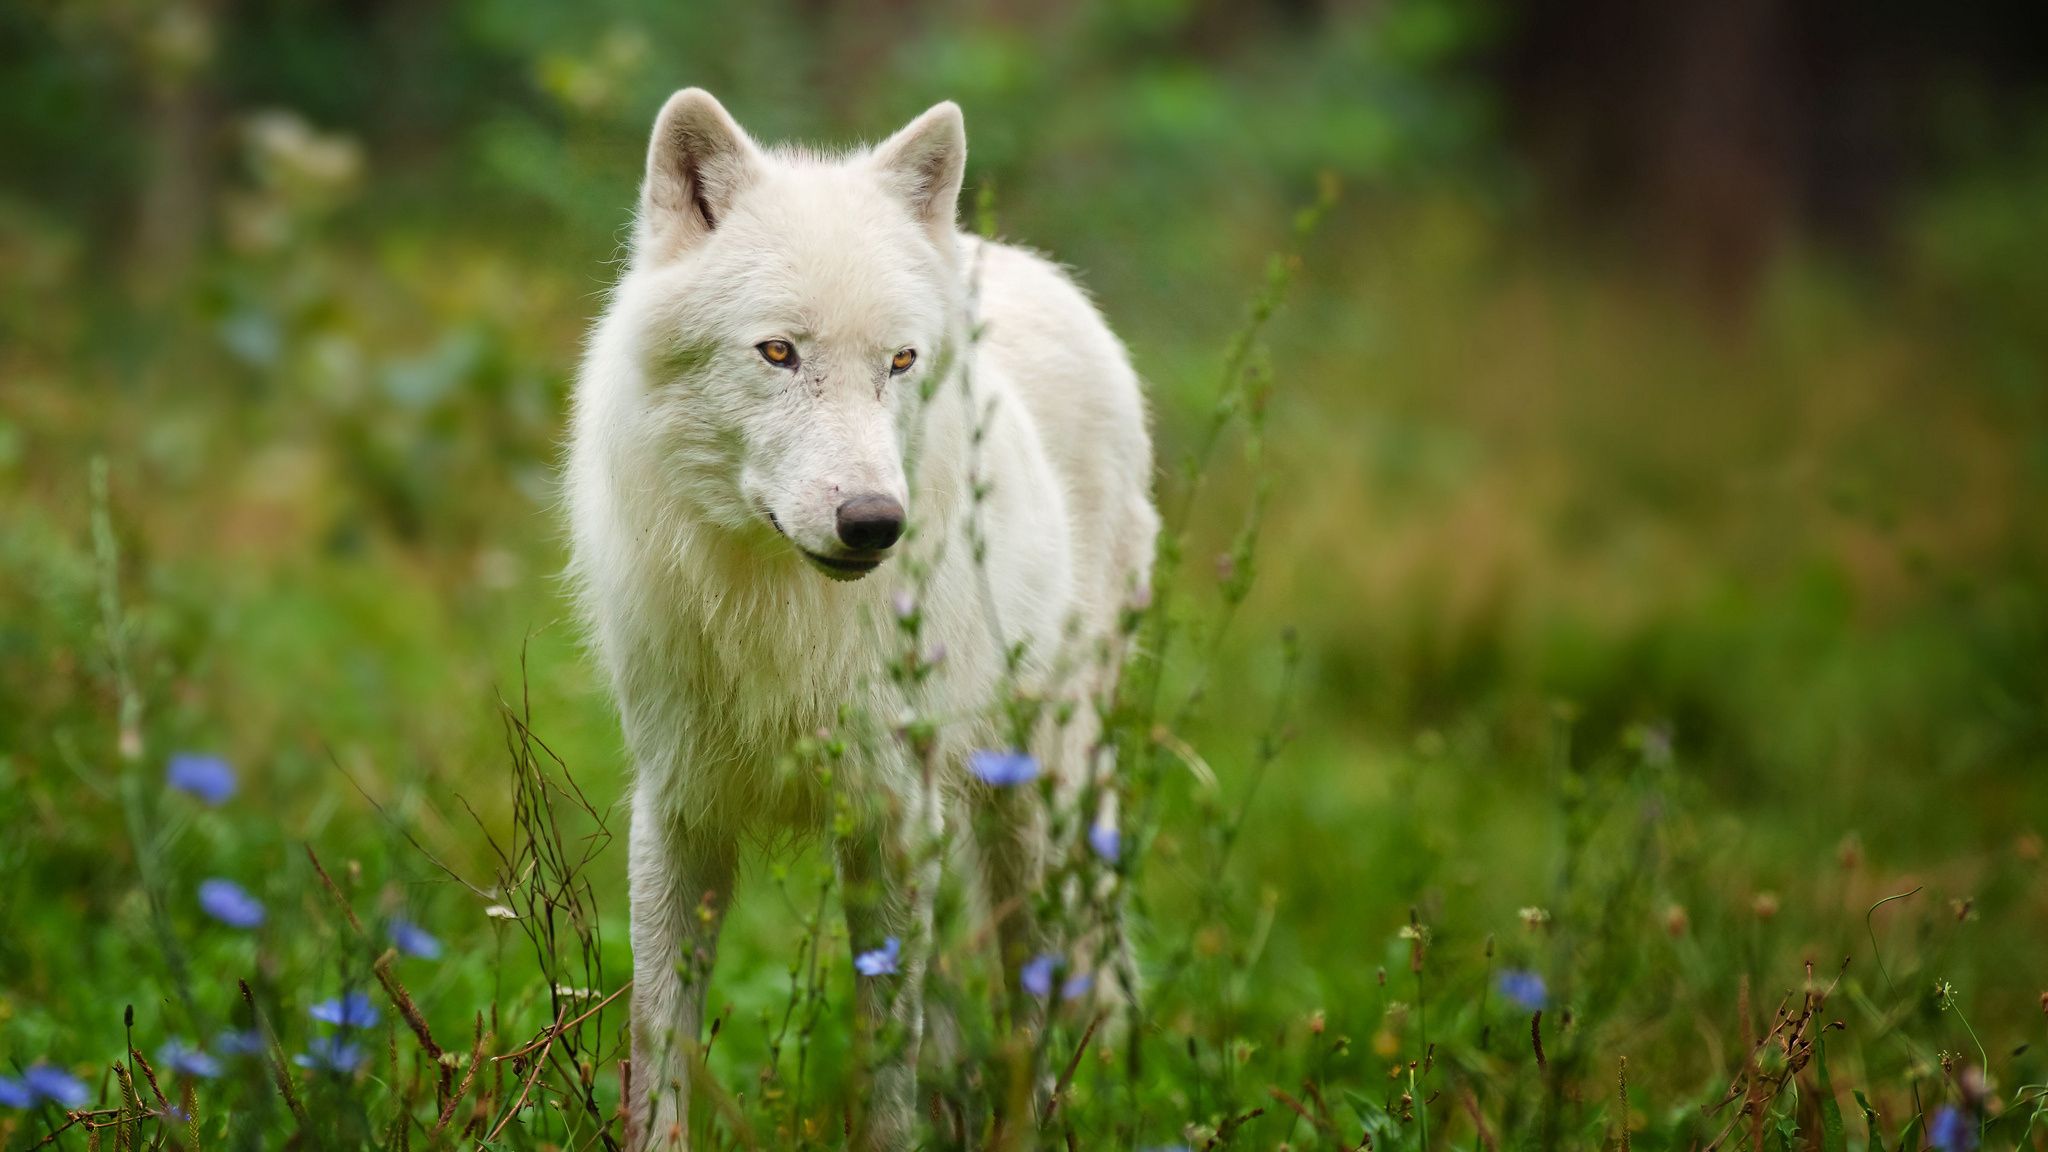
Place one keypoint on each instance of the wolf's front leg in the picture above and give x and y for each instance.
(681, 884)
(1009, 845)
(888, 876)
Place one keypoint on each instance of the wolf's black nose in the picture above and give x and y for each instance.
(870, 523)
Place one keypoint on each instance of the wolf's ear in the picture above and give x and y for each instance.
(924, 163)
(697, 164)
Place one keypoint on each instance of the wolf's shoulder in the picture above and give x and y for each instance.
(1009, 268)
(1020, 291)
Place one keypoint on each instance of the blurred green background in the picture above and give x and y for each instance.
(1669, 387)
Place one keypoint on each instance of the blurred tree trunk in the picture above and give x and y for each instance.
(175, 50)
(1674, 119)
(869, 31)
(1718, 179)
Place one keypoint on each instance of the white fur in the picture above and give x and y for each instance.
(724, 644)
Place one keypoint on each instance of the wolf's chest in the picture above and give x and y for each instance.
(763, 668)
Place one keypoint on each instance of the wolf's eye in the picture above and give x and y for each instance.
(777, 352)
(901, 361)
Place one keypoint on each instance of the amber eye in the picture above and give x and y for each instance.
(777, 352)
(902, 361)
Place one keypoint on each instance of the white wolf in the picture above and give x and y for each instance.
(786, 380)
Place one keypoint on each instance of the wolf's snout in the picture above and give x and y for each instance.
(870, 523)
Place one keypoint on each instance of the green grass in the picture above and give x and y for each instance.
(1706, 680)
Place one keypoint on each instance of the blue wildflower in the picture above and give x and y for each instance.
(1077, 986)
(1952, 1130)
(43, 1082)
(1003, 769)
(1523, 988)
(880, 962)
(234, 1043)
(414, 940)
(1106, 840)
(330, 1054)
(352, 1010)
(1036, 975)
(207, 777)
(230, 903)
(186, 1060)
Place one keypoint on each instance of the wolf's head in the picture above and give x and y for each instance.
(788, 309)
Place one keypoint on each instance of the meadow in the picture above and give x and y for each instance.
(1574, 719)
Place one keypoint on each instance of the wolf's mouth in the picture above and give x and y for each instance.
(842, 567)
(851, 567)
